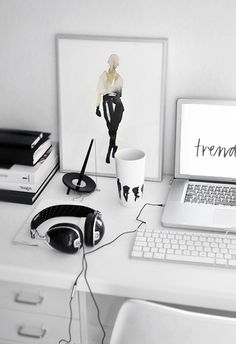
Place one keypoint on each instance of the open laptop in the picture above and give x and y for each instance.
(203, 192)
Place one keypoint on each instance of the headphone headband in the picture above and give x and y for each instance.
(60, 210)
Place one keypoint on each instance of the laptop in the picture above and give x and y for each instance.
(203, 192)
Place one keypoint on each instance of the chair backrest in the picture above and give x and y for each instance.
(143, 322)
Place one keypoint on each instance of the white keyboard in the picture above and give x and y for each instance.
(214, 249)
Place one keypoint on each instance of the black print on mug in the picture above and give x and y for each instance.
(126, 192)
(119, 187)
(142, 188)
(137, 192)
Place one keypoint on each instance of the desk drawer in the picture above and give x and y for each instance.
(35, 328)
(37, 299)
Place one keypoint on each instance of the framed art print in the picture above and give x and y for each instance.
(111, 89)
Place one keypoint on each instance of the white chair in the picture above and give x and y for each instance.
(143, 322)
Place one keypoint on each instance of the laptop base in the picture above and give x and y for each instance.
(179, 214)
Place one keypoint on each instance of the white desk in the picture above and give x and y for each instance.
(110, 270)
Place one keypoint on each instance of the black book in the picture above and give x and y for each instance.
(25, 197)
(11, 154)
(18, 137)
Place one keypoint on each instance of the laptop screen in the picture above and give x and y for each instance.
(206, 140)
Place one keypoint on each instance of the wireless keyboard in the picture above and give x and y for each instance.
(214, 249)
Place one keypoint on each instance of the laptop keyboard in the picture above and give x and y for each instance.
(210, 193)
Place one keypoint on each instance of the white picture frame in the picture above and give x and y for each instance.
(82, 62)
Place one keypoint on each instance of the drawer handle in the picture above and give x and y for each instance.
(30, 331)
(29, 299)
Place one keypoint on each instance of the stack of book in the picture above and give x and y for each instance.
(28, 160)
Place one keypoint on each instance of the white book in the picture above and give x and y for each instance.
(25, 175)
(26, 197)
(30, 188)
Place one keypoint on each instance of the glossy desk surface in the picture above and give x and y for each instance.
(110, 270)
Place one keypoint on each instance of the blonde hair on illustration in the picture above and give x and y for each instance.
(113, 61)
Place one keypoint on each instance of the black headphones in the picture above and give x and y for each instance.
(68, 237)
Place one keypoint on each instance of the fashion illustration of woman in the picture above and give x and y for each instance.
(109, 91)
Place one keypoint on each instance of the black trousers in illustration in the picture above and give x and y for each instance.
(113, 111)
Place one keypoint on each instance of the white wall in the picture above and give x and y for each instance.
(201, 52)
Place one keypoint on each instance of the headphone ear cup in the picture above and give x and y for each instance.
(93, 229)
(65, 237)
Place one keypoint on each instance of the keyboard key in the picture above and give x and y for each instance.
(141, 239)
(150, 239)
(146, 249)
(220, 261)
(148, 255)
(154, 249)
(203, 260)
(137, 248)
(137, 254)
(141, 243)
(166, 241)
(167, 246)
(159, 255)
(175, 247)
(232, 262)
(147, 235)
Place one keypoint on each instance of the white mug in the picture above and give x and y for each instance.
(130, 174)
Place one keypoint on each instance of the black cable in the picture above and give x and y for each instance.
(39, 235)
(71, 299)
(150, 204)
(113, 240)
(85, 269)
(94, 300)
